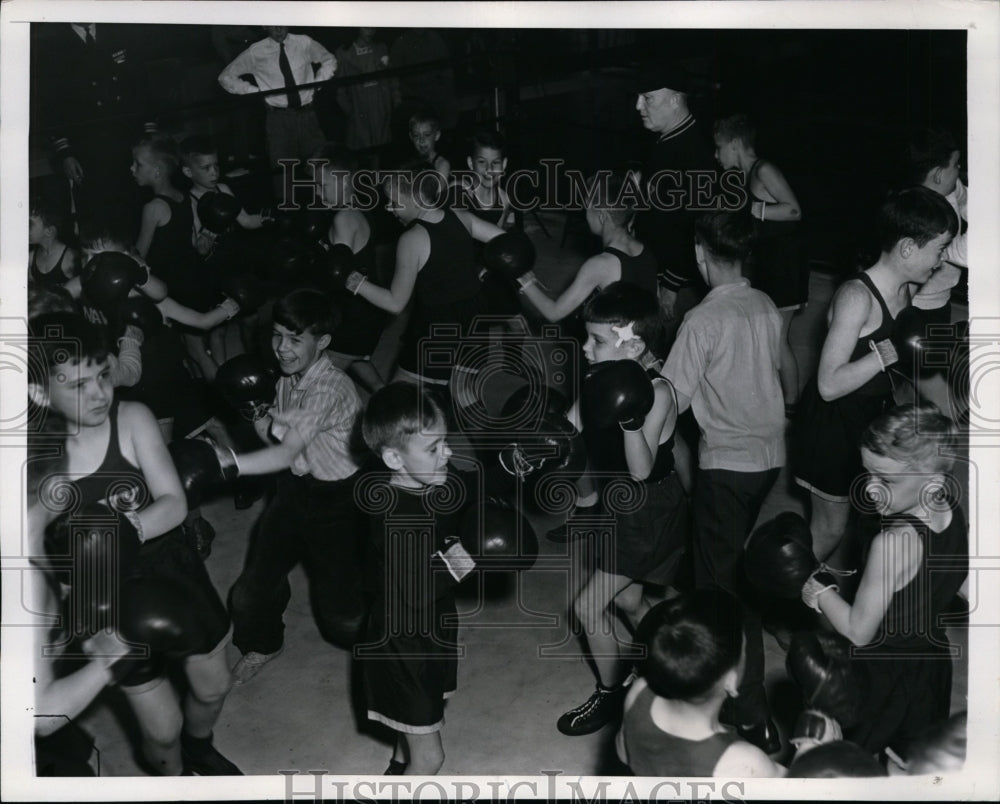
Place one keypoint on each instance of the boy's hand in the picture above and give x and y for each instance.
(816, 584)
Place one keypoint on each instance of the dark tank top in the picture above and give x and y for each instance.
(173, 240)
(115, 482)
(654, 752)
(880, 384)
(491, 214)
(55, 278)
(449, 276)
(911, 621)
(639, 270)
(606, 446)
(766, 228)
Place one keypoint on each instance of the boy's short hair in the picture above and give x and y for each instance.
(927, 149)
(50, 214)
(622, 303)
(424, 115)
(484, 137)
(736, 127)
(727, 236)
(918, 213)
(307, 310)
(912, 434)
(194, 146)
(163, 150)
(836, 760)
(607, 195)
(335, 157)
(691, 642)
(396, 412)
(43, 300)
(63, 337)
(108, 235)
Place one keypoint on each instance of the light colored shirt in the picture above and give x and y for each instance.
(83, 30)
(261, 61)
(936, 291)
(321, 407)
(725, 360)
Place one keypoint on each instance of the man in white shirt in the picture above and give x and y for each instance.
(284, 61)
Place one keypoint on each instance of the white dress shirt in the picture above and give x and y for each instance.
(261, 61)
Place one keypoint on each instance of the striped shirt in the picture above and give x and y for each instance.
(322, 406)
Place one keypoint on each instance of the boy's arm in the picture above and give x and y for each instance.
(642, 446)
(154, 214)
(744, 760)
(126, 366)
(274, 458)
(637, 686)
(229, 78)
(837, 375)
(169, 506)
(893, 560)
(587, 278)
(192, 318)
(412, 251)
(787, 207)
(481, 230)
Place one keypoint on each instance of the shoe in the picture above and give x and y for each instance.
(601, 708)
(204, 759)
(199, 535)
(396, 768)
(250, 664)
(763, 734)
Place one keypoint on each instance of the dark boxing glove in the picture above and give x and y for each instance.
(556, 448)
(204, 467)
(339, 267)
(160, 614)
(218, 211)
(247, 386)
(814, 728)
(498, 536)
(108, 277)
(617, 391)
(141, 312)
(830, 679)
(779, 557)
(511, 254)
(245, 290)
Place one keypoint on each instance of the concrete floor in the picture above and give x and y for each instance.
(522, 667)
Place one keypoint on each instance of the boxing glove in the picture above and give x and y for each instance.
(108, 278)
(247, 386)
(498, 537)
(139, 311)
(556, 448)
(218, 211)
(511, 254)
(203, 466)
(551, 404)
(313, 225)
(814, 728)
(339, 267)
(244, 290)
(616, 391)
(779, 557)
(830, 679)
(160, 615)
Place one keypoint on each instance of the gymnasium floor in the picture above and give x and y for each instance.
(299, 712)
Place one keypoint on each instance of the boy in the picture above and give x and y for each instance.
(933, 161)
(628, 442)
(410, 656)
(724, 366)
(312, 517)
(424, 134)
(116, 458)
(693, 662)
(52, 263)
(915, 564)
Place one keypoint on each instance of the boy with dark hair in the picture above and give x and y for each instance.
(52, 262)
(724, 366)
(312, 517)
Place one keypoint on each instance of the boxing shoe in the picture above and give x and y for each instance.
(602, 707)
(204, 759)
(250, 664)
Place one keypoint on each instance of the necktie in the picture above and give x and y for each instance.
(89, 37)
(294, 101)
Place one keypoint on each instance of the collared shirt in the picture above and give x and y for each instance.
(83, 30)
(725, 360)
(936, 291)
(261, 61)
(321, 407)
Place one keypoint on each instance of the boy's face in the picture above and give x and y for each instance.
(36, 230)
(424, 136)
(601, 345)
(948, 177)
(144, 170)
(920, 261)
(82, 392)
(489, 165)
(897, 487)
(423, 460)
(725, 152)
(203, 171)
(296, 352)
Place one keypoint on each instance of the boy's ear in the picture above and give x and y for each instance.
(392, 458)
(905, 247)
(38, 394)
(635, 348)
(323, 342)
(186, 171)
(468, 161)
(503, 165)
(731, 682)
(437, 136)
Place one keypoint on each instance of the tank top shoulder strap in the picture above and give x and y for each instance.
(114, 445)
(867, 282)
